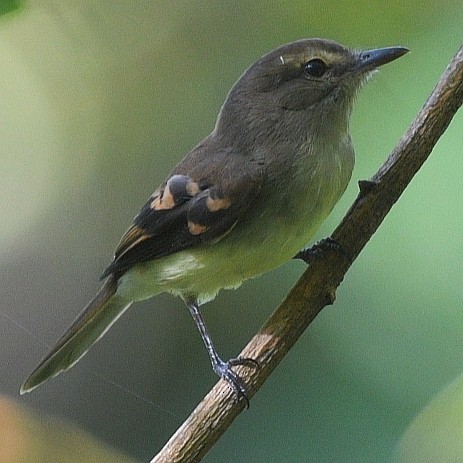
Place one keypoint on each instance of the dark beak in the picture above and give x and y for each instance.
(372, 59)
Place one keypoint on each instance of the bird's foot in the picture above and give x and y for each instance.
(236, 382)
(318, 250)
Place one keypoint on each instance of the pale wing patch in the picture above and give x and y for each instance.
(163, 201)
(207, 213)
(132, 237)
(196, 228)
(178, 189)
(192, 188)
(217, 204)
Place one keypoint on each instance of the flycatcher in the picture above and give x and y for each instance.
(245, 200)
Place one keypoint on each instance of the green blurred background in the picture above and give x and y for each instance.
(97, 102)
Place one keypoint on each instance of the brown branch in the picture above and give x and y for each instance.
(316, 287)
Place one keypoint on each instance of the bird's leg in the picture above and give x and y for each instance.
(318, 249)
(222, 368)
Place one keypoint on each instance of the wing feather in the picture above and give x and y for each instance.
(182, 214)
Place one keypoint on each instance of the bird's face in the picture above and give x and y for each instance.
(308, 83)
(299, 76)
(310, 72)
(304, 74)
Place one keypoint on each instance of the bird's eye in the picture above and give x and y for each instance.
(315, 67)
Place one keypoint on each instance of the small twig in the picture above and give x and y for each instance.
(317, 286)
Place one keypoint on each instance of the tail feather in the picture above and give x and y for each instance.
(101, 312)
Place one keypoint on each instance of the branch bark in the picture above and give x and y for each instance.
(317, 286)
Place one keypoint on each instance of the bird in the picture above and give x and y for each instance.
(243, 201)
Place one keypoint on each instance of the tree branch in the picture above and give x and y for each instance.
(317, 286)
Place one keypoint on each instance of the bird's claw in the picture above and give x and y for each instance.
(224, 370)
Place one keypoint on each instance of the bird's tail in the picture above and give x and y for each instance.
(102, 311)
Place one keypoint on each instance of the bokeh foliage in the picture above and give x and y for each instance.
(98, 102)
